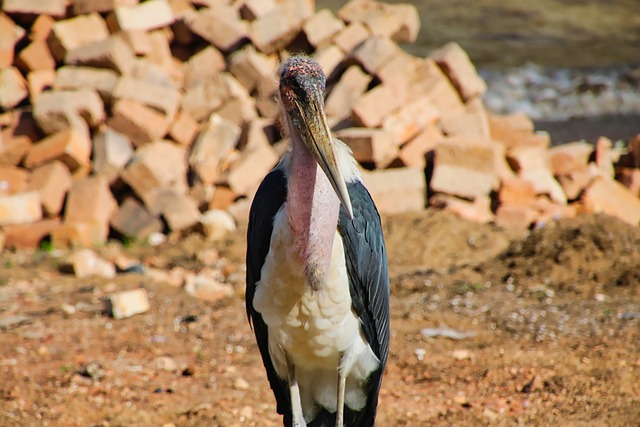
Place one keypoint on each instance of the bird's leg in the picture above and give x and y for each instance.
(342, 383)
(294, 391)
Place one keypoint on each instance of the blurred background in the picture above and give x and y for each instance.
(571, 65)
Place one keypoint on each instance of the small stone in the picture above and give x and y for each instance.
(86, 263)
(129, 303)
(156, 239)
(166, 363)
(461, 354)
(206, 287)
(93, 370)
(216, 224)
(241, 384)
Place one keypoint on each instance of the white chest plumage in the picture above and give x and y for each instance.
(316, 329)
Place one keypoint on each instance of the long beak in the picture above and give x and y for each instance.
(311, 124)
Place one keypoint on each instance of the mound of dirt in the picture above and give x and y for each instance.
(437, 240)
(587, 254)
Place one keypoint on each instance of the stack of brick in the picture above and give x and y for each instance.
(128, 117)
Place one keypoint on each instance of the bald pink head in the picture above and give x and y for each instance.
(300, 76)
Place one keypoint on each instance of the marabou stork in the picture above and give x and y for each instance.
(317, 283)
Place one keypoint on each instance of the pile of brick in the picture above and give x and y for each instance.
(129, 118)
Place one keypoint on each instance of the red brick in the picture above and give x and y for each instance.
(184, 129)
(330, 58)
(413, 153)
(250, 66)
(145, 16)
(39, 81)
(74, 78)
(240, 109)
(202, 100)
(86, 234)
(111, 153)
(41, 28)
(605, 195)
(515, 216)
(267, 99)
(276, 29)
(162, 99)
(458, 67)
(139, 122)
(113, 53)
(13, 88)
(162, 56)
(515, 129)
(254, 9)
(10, 33)
(133, 220)
(36, 56)
(139, 41)
(55, 8)
(516, 191)
(410, 119)
(397, 190)
(321, 27)
(478, 210)
(428, 79)
(71, 146)
(215, 142)
(178, 209)
(604, 155)
(566, 158)
(52, 181)
(550, 211)
(239, 210)
(398, 68)
(351, 37)
(375, 105)
(29, 236)
(221, 26)
(18, 137)
(90, 200)
(21, 208)
(357, 10)
(223, 197)
(76, 32)
(375, 52)
(369, 145)
(159, 164)
(203, 66)
(630, 178)
(544, 183)
(87, 6)
(527, 158)
(466, 170)
(409, 23)
(352, 84)
(248, 171)
(145, 69)
(473, 122)
(58, 110)
(13, 179)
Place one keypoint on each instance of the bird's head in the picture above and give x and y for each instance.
(302, 84)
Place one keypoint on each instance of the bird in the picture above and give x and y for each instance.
(317, 294)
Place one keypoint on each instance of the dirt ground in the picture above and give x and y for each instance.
(489, 327)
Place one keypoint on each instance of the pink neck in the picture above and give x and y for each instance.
(312, 208)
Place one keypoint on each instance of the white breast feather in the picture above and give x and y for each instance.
(313, 328)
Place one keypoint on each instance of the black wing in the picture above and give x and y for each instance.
(270, 196)
(366, 257)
